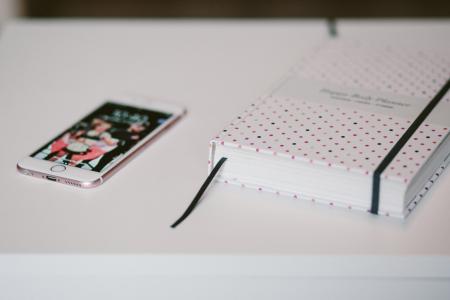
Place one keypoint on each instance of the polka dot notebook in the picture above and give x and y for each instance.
(353, 125)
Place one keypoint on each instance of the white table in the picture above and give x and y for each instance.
(255, 244)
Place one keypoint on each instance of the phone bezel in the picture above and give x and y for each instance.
(88, 179)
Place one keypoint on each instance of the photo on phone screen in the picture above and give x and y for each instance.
(102, 137)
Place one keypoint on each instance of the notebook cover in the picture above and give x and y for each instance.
(346, 105)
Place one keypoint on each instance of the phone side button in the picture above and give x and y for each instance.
(58, 168)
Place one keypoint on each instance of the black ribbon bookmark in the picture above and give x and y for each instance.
(200, 192)
(400, 143)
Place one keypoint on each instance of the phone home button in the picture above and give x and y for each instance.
(58, 168)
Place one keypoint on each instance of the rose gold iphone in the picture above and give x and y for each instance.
(91, 150)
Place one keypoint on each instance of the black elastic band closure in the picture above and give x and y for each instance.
(400, 143)
(332, 27)
(200, 192)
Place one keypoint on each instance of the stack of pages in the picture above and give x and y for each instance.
(335, 129)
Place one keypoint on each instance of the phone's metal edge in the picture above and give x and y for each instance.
(140, 148)
(105, 176)
(59, 179)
